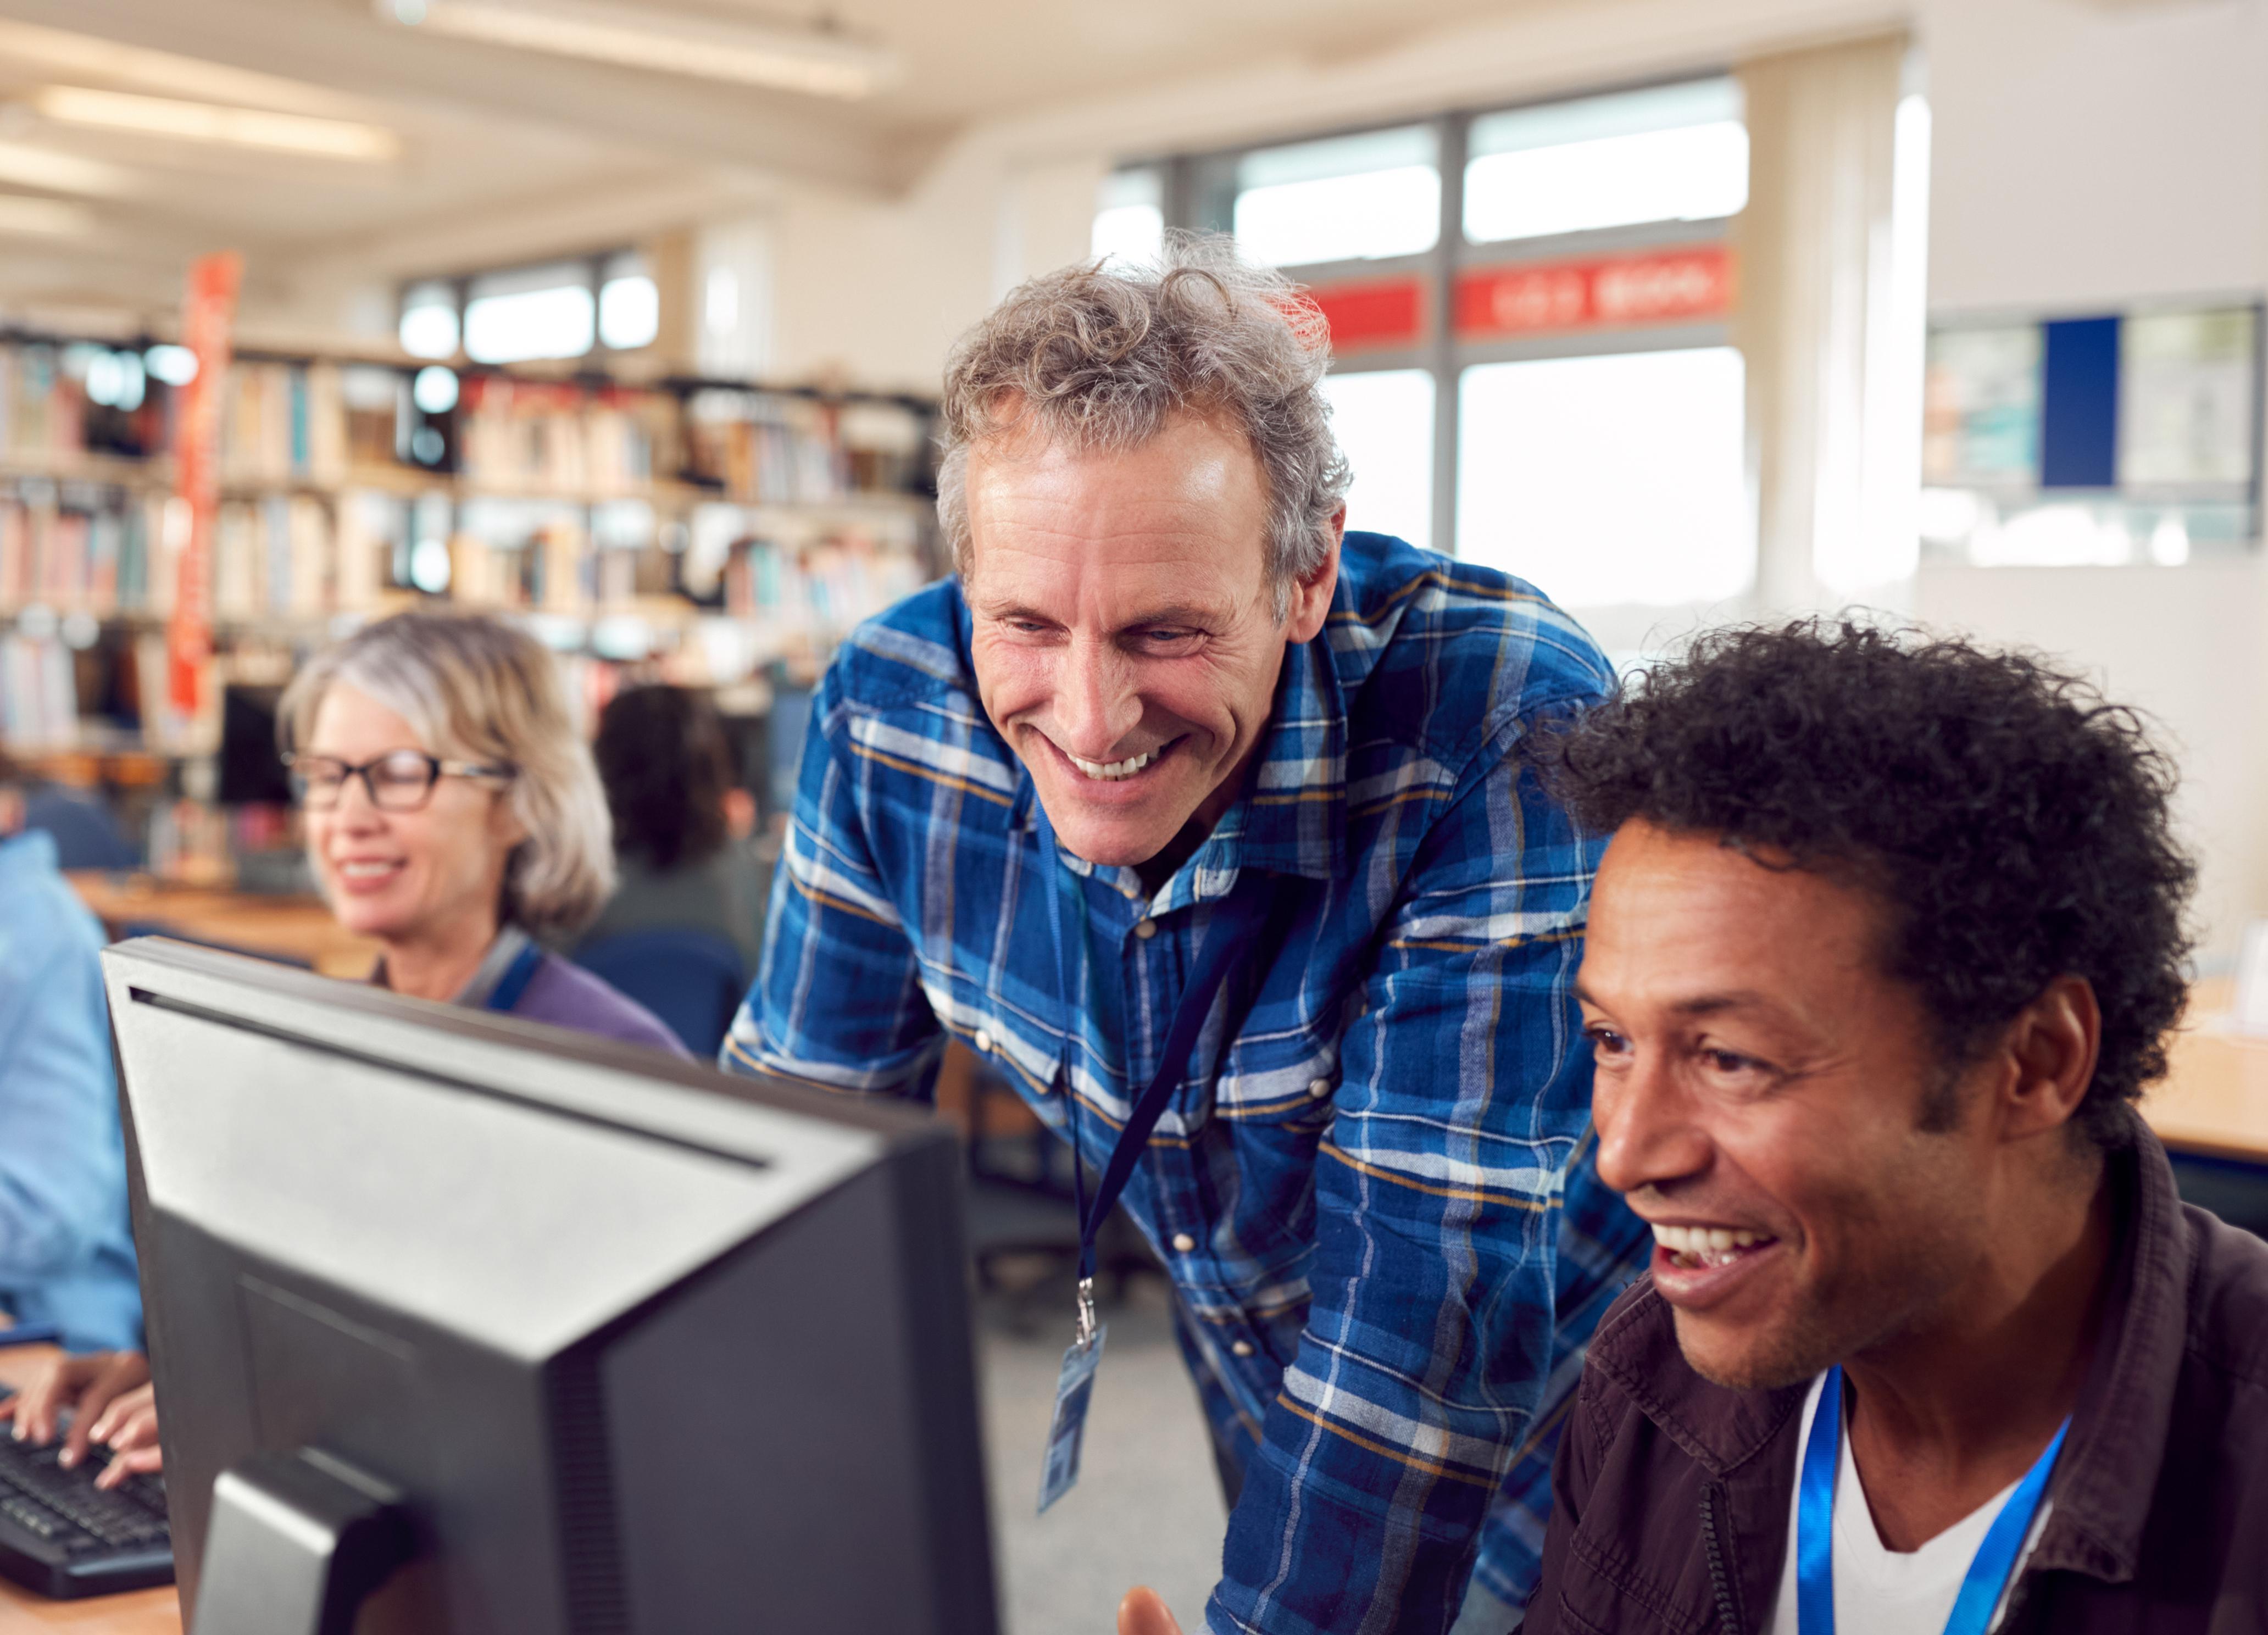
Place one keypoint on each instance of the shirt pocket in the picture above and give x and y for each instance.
(1287, 1079)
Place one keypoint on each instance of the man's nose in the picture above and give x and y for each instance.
(1098, 703)
(1648, 1133)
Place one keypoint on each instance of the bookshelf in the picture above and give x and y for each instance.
(709, 532)
(700, 530)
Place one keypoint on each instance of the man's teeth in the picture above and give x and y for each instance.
(1112, 769)
(1706, 1245)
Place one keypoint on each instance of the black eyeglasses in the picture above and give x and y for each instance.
(401, 780)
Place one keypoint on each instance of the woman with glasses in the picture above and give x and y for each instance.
(454, 815)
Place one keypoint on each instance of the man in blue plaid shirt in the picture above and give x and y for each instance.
(1161, 681)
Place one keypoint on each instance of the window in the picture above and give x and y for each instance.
(1347, 198)
(1608, 479)
(1576, 292)
(1383, 419)
(429, 321)
(1130, 217)
(629, 305)
(1670, 153)
(564, 309)
(539, 312)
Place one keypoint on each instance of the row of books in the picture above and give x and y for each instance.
(326, 424)
(73, 546)
(39, 693)
(540, 437)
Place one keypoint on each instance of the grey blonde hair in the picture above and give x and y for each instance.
(475, 687)
(1100, 358)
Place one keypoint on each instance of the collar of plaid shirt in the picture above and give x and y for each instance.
(1364, 1196)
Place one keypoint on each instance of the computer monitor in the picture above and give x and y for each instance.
(250, 769)
(610, 1342)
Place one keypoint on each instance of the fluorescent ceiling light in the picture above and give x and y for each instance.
(23, 215)
(28, 166)
(211, 121)
(785, 59)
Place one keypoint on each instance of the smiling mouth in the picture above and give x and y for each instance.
(366, 871)
(1695, 1248)
(1116, 771)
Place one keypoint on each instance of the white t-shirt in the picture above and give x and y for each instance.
(1879, 1591)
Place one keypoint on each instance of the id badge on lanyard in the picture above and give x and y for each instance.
(1235, 919)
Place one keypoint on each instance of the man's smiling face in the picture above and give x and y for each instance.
(1127, 643)
(1775, 1103)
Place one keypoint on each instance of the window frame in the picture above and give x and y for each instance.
(1198, 190)
(594, 266)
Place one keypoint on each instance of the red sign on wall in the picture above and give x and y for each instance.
(1607, 292)
(1390, 311)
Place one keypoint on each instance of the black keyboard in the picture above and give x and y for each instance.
(63, 1537)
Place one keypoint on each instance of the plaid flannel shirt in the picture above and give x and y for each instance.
(1365, 1187)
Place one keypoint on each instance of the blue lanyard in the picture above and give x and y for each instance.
(1815, 1538)
(515, 979)
(1235, 919)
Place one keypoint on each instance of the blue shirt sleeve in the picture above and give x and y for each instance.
(66, 1254)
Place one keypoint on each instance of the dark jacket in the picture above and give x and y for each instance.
(1671, 1495)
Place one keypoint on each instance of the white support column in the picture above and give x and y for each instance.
(1820, 325)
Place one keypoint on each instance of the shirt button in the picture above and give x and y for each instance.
(1183, 1242)
(1242, 1348)
(1318, 1088)
(983, 1042)
(1145, 929)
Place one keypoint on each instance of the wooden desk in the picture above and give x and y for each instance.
(138, 1612)
(296, 928)
(2215, 1099)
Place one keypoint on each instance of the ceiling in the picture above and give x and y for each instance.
(491, 135)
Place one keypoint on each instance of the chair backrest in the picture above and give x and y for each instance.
(690, 979)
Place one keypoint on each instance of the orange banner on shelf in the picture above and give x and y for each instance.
(1684, 285)
(208, 326)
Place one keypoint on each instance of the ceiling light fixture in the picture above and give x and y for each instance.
(23, 215)
(213, 122)
(28, 166)
(817, 62)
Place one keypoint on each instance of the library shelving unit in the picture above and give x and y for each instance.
(712, 533)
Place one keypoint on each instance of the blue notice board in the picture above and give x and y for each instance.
(2079, 403)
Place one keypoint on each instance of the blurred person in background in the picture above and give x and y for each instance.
(682, 859)
(453, 816)
(66, 1258)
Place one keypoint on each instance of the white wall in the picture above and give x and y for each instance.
(2087, 153)
(2088, 156)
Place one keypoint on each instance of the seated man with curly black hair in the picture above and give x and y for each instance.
(1885, 946)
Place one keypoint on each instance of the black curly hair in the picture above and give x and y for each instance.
(2014, 822)
(666, 764)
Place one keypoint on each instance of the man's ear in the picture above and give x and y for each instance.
(2050, 1054)
(1311, 597)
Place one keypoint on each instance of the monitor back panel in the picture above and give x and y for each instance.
(644, 1355)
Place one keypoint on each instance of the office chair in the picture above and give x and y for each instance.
(690, 979)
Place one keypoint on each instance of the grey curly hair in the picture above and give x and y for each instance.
(1100, 356)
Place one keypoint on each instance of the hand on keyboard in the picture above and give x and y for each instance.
(82, 1386)
(128, 1429)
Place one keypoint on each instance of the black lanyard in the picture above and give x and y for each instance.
(1234, 918)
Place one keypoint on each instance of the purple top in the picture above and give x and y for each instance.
(567, 995)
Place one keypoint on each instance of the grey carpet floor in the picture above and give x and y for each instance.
(1147, 1508)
